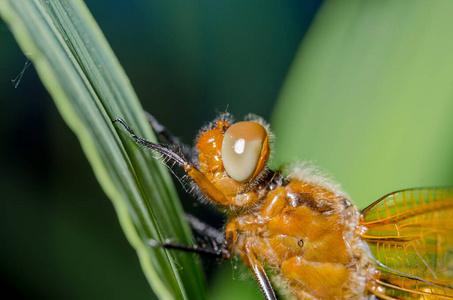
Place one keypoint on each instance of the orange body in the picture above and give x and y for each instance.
(311, 239)
(302, 230)
(316, 242)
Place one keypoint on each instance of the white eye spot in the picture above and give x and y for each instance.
(241, 149)
(239, 146)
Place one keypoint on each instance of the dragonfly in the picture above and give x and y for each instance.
(299, 232)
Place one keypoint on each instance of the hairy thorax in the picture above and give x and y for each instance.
(308, 235)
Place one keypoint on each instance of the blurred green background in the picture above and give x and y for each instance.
(369, 98)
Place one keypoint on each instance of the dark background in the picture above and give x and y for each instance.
(187, 62)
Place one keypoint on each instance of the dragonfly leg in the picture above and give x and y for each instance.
(198, 249)
(165, 136)
(216, 248)
(248, 256)
(205, 230)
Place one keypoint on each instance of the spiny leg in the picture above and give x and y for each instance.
(167, 137)
(205, 230)
(248, 256)
(168, 153)
(199, 249)
(215, 237)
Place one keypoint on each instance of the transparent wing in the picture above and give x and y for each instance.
(410, 234)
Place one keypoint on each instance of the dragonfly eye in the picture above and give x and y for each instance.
(242, 148)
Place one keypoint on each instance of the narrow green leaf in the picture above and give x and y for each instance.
(90, 89)
(369, 97)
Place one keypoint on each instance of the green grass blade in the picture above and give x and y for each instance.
(369, 97)
(90, 89)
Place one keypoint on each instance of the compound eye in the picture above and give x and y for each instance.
(242, 148)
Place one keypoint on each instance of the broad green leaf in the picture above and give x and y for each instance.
(90, 89)
(369, 97)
